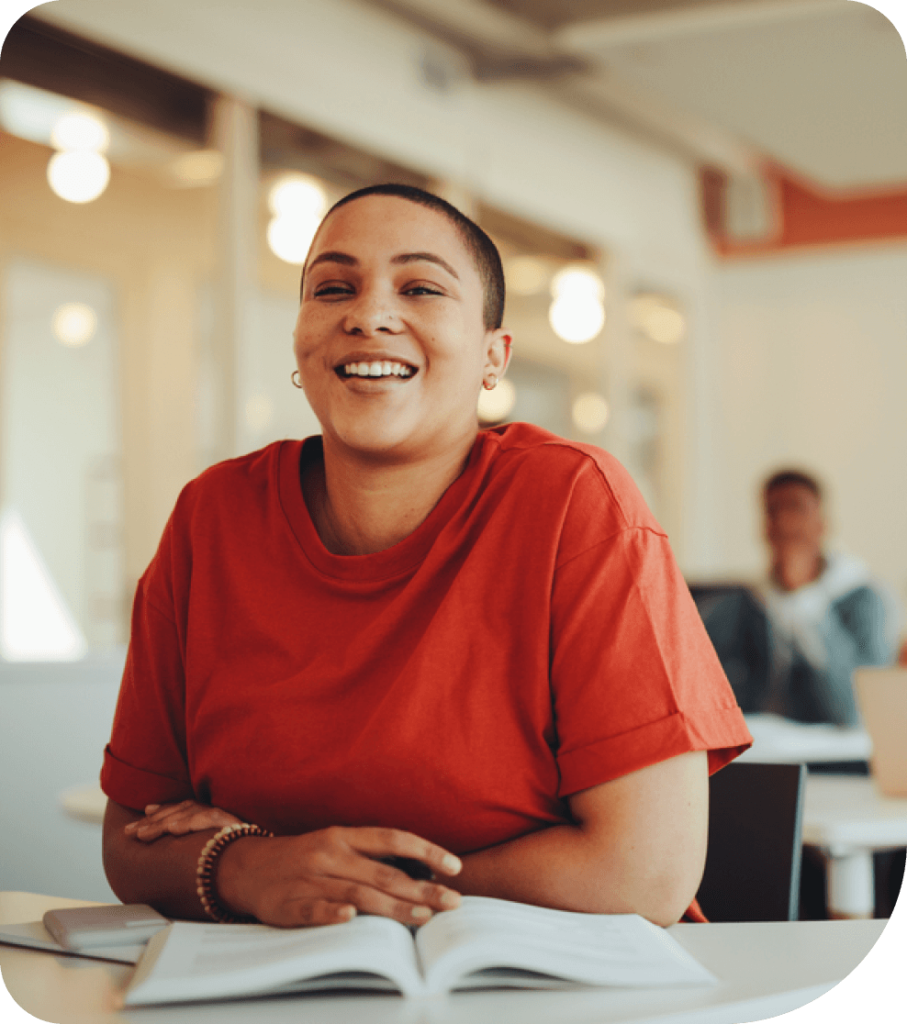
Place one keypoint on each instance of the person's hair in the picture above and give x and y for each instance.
(483, 251)
(786, 477)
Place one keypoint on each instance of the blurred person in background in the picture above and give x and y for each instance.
(826, 614)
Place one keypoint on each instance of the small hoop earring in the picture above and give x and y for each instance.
(491, 383)
(293, 376)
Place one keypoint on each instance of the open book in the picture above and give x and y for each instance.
(485, 943)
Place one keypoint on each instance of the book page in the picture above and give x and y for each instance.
(190, 961)
(595, 949)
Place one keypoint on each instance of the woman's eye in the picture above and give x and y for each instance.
(332, 289)
(421, 289)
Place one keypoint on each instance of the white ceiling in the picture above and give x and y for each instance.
(819, 86)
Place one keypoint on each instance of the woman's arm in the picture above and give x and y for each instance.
(322, 877)
(638, 846)
(161, 874)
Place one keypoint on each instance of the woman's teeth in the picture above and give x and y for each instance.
(378, 369)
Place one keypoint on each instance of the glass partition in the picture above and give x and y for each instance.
(61, 537)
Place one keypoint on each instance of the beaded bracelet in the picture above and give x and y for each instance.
(207, 864)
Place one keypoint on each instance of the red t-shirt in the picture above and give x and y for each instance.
(532, 638)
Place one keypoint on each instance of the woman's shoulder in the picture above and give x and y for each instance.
(243, 474)
(236, 496)
(584, 476)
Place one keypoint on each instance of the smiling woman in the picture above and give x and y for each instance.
(390, 282)
(409, 638)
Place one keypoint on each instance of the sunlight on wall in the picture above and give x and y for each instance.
(35, 623)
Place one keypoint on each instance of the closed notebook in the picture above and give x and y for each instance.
(485, 943)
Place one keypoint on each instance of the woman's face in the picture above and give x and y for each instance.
(389, 341)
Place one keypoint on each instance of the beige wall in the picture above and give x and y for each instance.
(810, 369)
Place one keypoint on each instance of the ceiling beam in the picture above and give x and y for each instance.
(614, 101)
(476, 21)
(600, 34)
(502, 47)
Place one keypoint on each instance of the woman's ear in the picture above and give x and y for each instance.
(497, 352)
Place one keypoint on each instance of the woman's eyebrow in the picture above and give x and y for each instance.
(405, 257)
(430, 257)
(334, 257)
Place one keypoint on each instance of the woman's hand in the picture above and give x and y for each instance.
(178, 820)
(323, 877)
(329, 876)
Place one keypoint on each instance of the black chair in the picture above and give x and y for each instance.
(737, 625)
(752, 870)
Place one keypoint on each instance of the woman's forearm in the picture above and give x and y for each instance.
(564, 868)
(161, 873)
(638, 846)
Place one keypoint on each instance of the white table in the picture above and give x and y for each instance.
(778, 740)
(765, 969)
(848, 819)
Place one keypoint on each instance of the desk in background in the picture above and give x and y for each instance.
(844, 815)
(764, 969)
(849, 820)
(778, 740)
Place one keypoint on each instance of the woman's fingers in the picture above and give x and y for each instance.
(395, 884)
(285, 881)
(178, 819)
(375, 887)
(310, 913)
(392, 842)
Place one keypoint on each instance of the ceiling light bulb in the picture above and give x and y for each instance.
(80, 131)
(78, 176)
(576, 318)
(289, 238)
(665, 325)
(198, 167)
(658, 318)
(297, 195)
(577, 281)
(74, 324)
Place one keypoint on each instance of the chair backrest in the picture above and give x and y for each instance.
(752, 870)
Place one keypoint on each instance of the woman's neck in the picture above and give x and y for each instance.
(360, 507)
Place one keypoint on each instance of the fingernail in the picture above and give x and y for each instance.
(132, 826)
(451, 864)
(450, 900)
(348, 913)
(421, 913)
(151, 808)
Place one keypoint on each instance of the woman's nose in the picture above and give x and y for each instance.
(371, 314)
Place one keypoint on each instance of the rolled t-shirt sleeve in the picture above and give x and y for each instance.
(146, 761)
(635, 678)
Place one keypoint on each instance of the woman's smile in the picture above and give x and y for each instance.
(380, 370)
